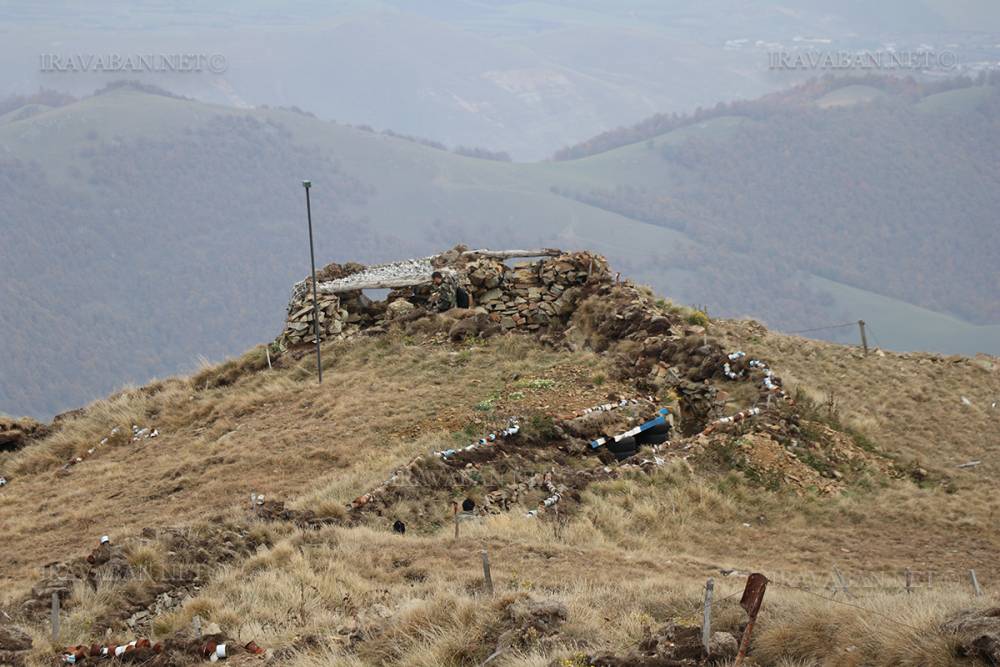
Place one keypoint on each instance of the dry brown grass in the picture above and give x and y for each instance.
(272, 432)
(908, 403)
(890, 630)
(633, 555)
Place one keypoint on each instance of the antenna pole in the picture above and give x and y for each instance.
(312, 261)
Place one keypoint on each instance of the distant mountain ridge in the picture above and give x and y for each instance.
(531, 77)
(142, 231)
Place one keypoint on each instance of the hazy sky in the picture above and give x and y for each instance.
(526, 78)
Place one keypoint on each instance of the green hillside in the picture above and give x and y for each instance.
(849, 96)
(963, 100)
(142, 232)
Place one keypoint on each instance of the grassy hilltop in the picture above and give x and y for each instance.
(858, 474)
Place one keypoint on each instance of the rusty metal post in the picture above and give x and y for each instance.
(753, 597)
(454, 510)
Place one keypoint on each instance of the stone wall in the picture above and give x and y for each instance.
(531, 295)
(528, 295)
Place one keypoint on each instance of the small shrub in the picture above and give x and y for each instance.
(541, 427)
(698, 318)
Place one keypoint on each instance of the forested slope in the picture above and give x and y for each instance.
(141, 231)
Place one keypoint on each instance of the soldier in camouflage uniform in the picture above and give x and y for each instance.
(442, 293)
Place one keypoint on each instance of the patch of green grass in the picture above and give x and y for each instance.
(536, 383)
(488, 403)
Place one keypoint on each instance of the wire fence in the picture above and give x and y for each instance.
(824, 328)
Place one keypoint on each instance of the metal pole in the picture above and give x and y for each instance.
(753, 598)
(745, 641)
(312, 261)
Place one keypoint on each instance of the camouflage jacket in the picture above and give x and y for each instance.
(443, 296)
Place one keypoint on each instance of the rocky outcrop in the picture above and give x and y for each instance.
(978, 633)
(14, 645)
(16, 433)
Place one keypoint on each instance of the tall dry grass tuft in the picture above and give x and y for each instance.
(887, 629)
(212, 376)
(147, 560)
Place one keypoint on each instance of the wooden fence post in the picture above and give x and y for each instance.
(454, 510)
(842, 584)
(909, 580)
(706, 619)
(487, 577)
(975, 584)
(864, 338)
(55, 618)
(196, 626)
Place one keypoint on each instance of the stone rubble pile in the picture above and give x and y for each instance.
(104, 563)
